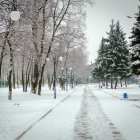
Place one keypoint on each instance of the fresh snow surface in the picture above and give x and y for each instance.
(24, 110)
(59, 124)
(83, 113)
(124, 113)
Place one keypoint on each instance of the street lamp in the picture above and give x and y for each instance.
(70, 68)
(47, 59)
(15, 15)
(61, 58)
(55, 61)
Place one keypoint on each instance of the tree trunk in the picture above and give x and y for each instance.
(49, 81)
(116, 81)
(125, 82)
(54, 80)
(3, 50)
(14, 78)
(43, 82)
(35, 79)
(23, 81)
(1, 60)
(10, 84)
(40, 80)
(10, 71)
(66, 79)
(99, 82)
(111, 83)
(27, 79)
(17, 81)
(121, 82)
(106, 83)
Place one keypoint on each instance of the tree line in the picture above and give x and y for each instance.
(118, 60)
(30, 49)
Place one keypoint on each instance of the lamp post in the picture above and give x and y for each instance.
(15, 15)
(55, 61)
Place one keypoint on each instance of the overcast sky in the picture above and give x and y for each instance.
(99, 19)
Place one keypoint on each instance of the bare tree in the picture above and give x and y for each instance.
(45, 27)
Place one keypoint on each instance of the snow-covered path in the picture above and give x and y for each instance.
(80, 117)
(124, 114)
(86, 113)
(92, 123)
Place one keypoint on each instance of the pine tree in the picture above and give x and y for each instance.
(135, 46)
(110, 56)
(123, 61)
(117, 53)
(122, 52)
(100, 69)
(113, 56)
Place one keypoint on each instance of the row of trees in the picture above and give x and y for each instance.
(47, 30)
(116, 59)
(113, 56)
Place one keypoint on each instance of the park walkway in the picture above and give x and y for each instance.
(92, 123)
(79, 117)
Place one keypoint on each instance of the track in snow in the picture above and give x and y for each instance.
(91, 122)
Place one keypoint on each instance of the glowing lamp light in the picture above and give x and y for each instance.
(15, 15)
(61, 58)
(47, 59)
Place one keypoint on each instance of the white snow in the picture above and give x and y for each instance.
(137, 62)
(24, 109)
(59, 124)
(104, 116)
(123, 113)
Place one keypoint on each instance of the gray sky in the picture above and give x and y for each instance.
(99, 19)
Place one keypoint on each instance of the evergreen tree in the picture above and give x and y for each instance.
(113, 55)
(122, 53)
(135, 46)
(100, 68)
(118, 52)
(110, 56)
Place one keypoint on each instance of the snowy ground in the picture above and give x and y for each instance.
(86, 113)
(24, 110)
(92, 123)
(123, 113)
